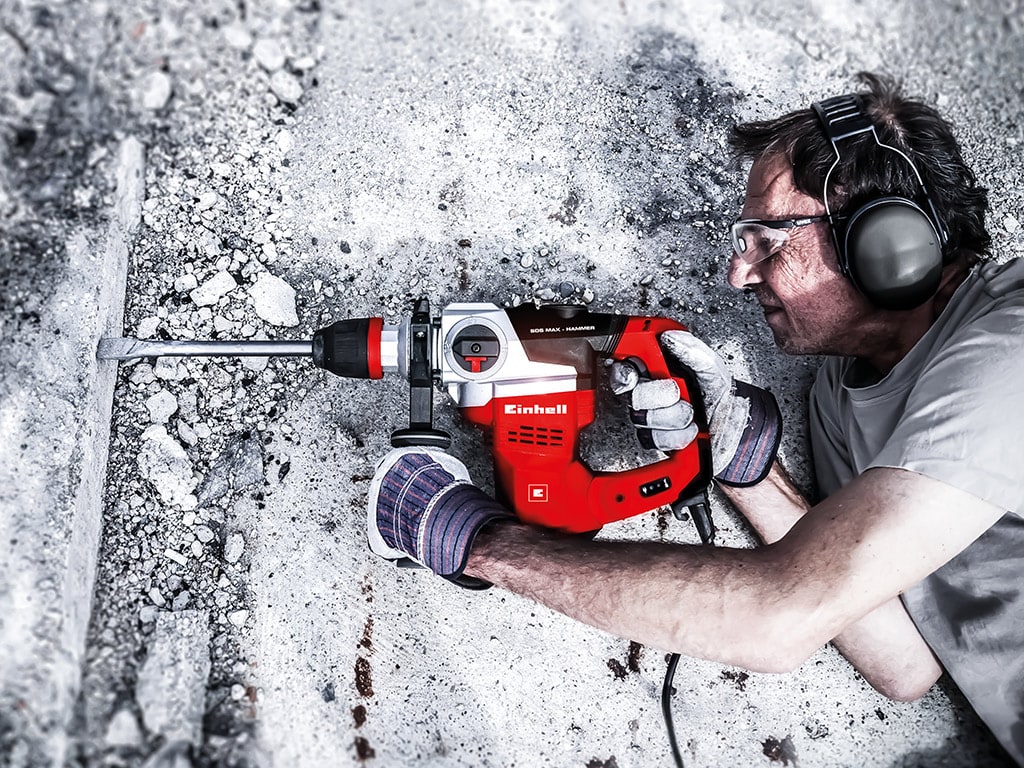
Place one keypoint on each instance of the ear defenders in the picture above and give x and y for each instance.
(890, 248)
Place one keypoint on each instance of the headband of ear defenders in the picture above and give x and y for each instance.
(845, 116)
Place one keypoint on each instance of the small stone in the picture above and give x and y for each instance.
(156, 91)
(237, 37)
(1010, 224)
(186, 283)
(147, 327)
(161, 406)
(204, 534)
(285, 142)
(233, 547)
(210, 292)
(123, 730)
(565, 290)
(147, 613)
(268, 54)
(238, 618)
(187, 434)
(545, 294)
(286, 87)
(181, 601)
(177, 557)
(167, 369)
(237, 692)
(588, 295)
(157, 598)
(206, 201)
(526, 260)
(647, 279)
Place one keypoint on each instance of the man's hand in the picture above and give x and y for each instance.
(423, 506)
(744, 420)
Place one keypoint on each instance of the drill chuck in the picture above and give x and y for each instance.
(350, 348)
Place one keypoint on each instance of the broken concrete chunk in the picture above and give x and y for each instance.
(161, 406)
(171, 689)
(238, 618)
(239, 466)
(164, 463)
(274, 300)
(210, 292)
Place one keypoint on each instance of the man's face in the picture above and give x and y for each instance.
(808, 304)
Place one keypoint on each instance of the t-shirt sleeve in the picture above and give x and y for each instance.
(963, 422)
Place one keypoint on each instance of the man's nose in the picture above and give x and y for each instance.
(742, 274)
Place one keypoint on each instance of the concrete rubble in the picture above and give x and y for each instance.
(184, 579)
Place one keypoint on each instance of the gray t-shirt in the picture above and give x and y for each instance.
(953, 410)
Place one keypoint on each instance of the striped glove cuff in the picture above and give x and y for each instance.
(431, 515)
(759, 442)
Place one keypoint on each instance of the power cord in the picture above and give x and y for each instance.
(666, 708)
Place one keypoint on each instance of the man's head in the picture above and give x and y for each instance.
(810, 306)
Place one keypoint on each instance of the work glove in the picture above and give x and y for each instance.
(424, 507)
(744, 420)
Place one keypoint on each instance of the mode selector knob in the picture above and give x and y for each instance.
(476, 348)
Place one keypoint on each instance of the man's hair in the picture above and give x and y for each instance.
(866, 170)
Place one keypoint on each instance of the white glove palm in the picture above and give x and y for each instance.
(665, 421)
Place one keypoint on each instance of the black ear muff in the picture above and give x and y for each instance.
(893, 253)
(890, 248)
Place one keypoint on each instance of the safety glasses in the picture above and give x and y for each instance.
(755, 240)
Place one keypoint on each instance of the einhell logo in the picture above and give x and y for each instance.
(530, 410)
(537, 492)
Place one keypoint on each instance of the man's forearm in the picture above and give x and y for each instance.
(884, 646)
(726, 605)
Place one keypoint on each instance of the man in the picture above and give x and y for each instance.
(911, 563)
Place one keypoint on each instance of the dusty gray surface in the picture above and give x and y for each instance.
(309, 161)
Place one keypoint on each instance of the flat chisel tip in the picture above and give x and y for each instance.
(116, 348)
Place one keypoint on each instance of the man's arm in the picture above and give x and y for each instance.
(764, 609)
(884, 646)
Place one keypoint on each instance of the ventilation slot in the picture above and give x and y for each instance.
(539, 436)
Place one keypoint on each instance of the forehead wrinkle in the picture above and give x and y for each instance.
(775, 184)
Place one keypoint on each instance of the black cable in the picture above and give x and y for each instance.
(666, 708)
